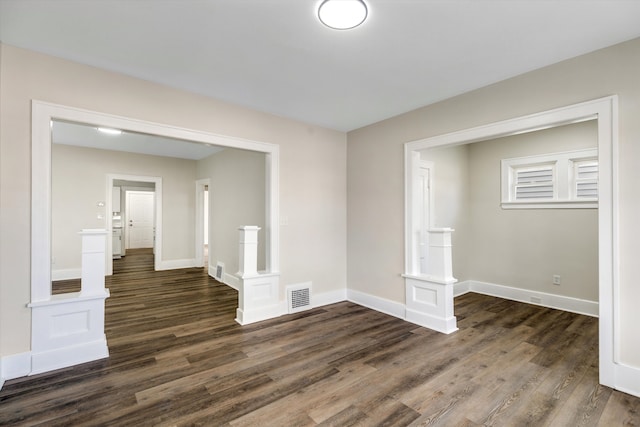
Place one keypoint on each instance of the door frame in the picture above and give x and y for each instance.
(42, 115)
(605, 112)
(201, 184)
(157, 212)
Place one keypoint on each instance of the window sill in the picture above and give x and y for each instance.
(554, 204)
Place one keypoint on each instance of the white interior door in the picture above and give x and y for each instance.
(140, 219)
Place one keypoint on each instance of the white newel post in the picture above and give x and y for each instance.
(248, 262)
(440, 254)
(259, 292)
(429, 297)
(93, 261)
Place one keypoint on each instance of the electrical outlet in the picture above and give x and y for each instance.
(556, 279)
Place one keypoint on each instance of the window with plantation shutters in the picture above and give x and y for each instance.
(586, 179)
(556, 180)
(534, 183)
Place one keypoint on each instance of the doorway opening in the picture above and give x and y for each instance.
(202, 224)
(604, 112)
(150, 189)
(49, 351)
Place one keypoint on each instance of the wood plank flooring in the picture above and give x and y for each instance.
(178, 358)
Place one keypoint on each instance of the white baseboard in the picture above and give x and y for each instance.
(228, 279)
(628, 379)
(574, 305)
(14, 366)
(66, 274)
(445, 326)
(263, 313)
(68, 356)
(326, 298)
(382, 305)
(231, 281)
(461, 288)
(174, 264)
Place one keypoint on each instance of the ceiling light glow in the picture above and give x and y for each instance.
(110, 131)
(342, 14)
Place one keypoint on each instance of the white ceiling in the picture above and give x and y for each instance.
(275, 56)
(88, 136)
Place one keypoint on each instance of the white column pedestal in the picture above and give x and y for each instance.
(68, 329)
(429, 296)
(93, 261)
(248, 261)
(429, 303)
(259, 293)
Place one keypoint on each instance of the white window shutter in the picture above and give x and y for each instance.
(554, 180)
(534, 183)
(586, 179)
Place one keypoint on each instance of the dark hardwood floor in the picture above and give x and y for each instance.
(178, 358)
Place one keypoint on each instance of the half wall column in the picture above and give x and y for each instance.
(259, 292)
(68, 329)
(429, 296)
(248, 262)
(93, 261)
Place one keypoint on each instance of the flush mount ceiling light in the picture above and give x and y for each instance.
(110, 131)
(342, 14)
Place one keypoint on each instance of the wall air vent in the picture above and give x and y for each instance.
(299, 297)
(219, 272)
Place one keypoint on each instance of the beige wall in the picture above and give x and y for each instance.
(312, 169)
(236, 198)
(524, 248)
(375, 167)
(78, 178)
(521, 248)
(450, 185)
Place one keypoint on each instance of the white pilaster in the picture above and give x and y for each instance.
(248, 262)
(93, 261)
(440, 254)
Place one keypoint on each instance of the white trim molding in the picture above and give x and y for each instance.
(559, 302)
(628, 379)
(231, 281)
(383, 305)
(331, 297)
(173, 264)
(15, 366)
(227, 279)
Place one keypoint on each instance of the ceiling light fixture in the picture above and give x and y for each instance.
(342, 14)
(110, 131)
